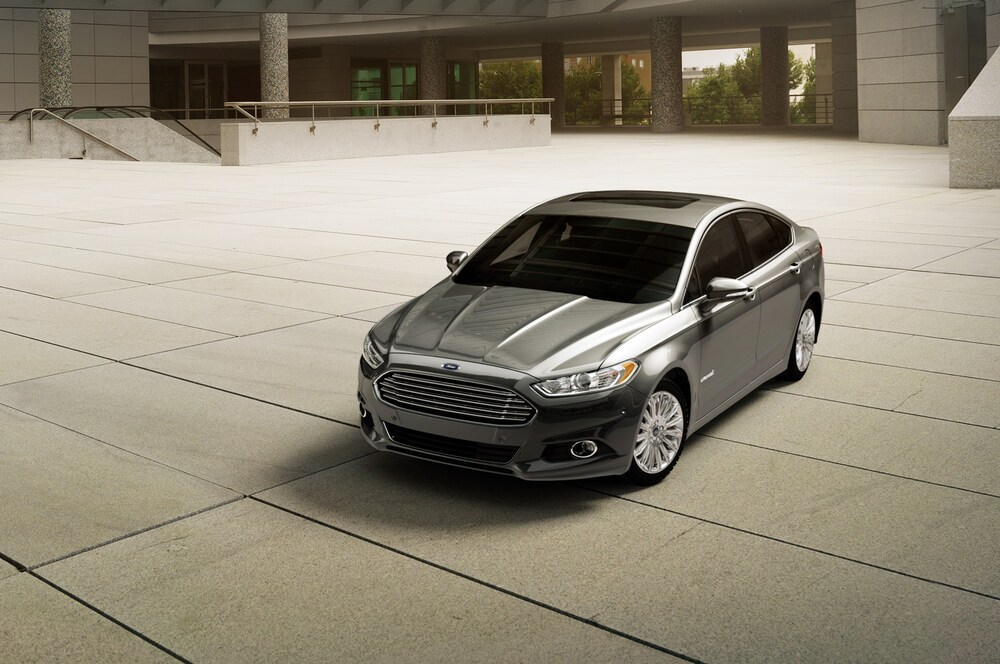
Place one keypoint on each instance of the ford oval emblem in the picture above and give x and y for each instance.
(450, 366)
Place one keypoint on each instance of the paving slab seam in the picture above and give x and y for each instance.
(146, 529)
(353, 425)
(121, 449)
(158, 320)
(954, 274)
(13, 563)
(324, 283)
(256, 494)
(895, 201)
(795, 544)
(107, 616)
(169, 284)
(908, 334)
(848, 465)
(889, 410)
(897, 366)
(95, 251)
(57, 373)
(491, 586)
(897, 269)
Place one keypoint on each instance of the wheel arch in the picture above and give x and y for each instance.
(679, 377)
(816, 302)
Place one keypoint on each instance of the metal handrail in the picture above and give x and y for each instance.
(431, 104)
(31, 131)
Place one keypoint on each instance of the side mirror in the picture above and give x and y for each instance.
(454, 259)
(721, 289)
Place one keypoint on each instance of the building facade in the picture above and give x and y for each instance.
(894, 69)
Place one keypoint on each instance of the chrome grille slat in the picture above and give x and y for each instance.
(463, 384)
(414, 402)
(452, 397)
(404, 388)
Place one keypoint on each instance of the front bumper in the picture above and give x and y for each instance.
(537, 450)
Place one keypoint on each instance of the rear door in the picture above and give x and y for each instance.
(774, 275)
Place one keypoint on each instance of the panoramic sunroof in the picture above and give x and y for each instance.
(637, 198)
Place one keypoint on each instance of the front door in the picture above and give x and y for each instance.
(728, 329)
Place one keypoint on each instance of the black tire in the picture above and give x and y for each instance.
(803, 341)
(657, 428)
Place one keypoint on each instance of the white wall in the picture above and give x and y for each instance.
(291, 140)
(110, 58)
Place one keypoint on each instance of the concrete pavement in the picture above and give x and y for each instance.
(183, 477)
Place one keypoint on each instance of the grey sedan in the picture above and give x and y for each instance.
(592, 334)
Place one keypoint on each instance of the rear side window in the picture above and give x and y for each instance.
(718, 256)
(764, 236)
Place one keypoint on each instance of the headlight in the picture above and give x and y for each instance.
(371, 354)
(593, 381)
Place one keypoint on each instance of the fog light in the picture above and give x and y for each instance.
(583, 449)
(364, 411)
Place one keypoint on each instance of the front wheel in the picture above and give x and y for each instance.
(659, 437)
(802, 347)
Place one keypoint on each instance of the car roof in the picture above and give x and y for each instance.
(667, 207)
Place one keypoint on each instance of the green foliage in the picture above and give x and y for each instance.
(731, 95)
(584, 100)
(517, 79)
(803, 111)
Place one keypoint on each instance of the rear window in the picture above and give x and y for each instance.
(623, 260)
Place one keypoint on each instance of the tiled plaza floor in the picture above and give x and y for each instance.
(182, 476)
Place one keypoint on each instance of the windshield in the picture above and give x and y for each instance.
(623, 260)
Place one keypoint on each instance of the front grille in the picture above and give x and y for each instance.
(444, 396)
(450, 446)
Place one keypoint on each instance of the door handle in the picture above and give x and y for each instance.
(795, 268)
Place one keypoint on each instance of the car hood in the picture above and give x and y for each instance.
(541, 333)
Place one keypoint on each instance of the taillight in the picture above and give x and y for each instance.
(821, 250)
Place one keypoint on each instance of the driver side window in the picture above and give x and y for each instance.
(718, 256)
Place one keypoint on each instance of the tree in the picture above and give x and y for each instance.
(731, 95)
(803, 111)
(585, 99)
(517, 79)
(746, 72)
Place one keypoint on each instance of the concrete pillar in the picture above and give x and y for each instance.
(992, 27)
(553, 81)
(431, 83)
(901, 72)
(611, 90)
(824, 83)
(774, 76)
(274, 62)
(974, 132)
(55, 63)
(844, 44)
(667, 85)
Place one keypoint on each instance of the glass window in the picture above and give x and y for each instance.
(719, 255)
(623, 260)
(762, 238)
(366, 84)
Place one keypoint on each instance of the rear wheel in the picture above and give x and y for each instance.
(802, 347)
(660, 435)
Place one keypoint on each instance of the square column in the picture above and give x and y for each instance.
(432, 69)
(667, 94)
(553, 81)
(55, 62)
(901, 73)
(611, 90)
(844, 43)
(774, 76)
(274, 62)
(992, 27)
